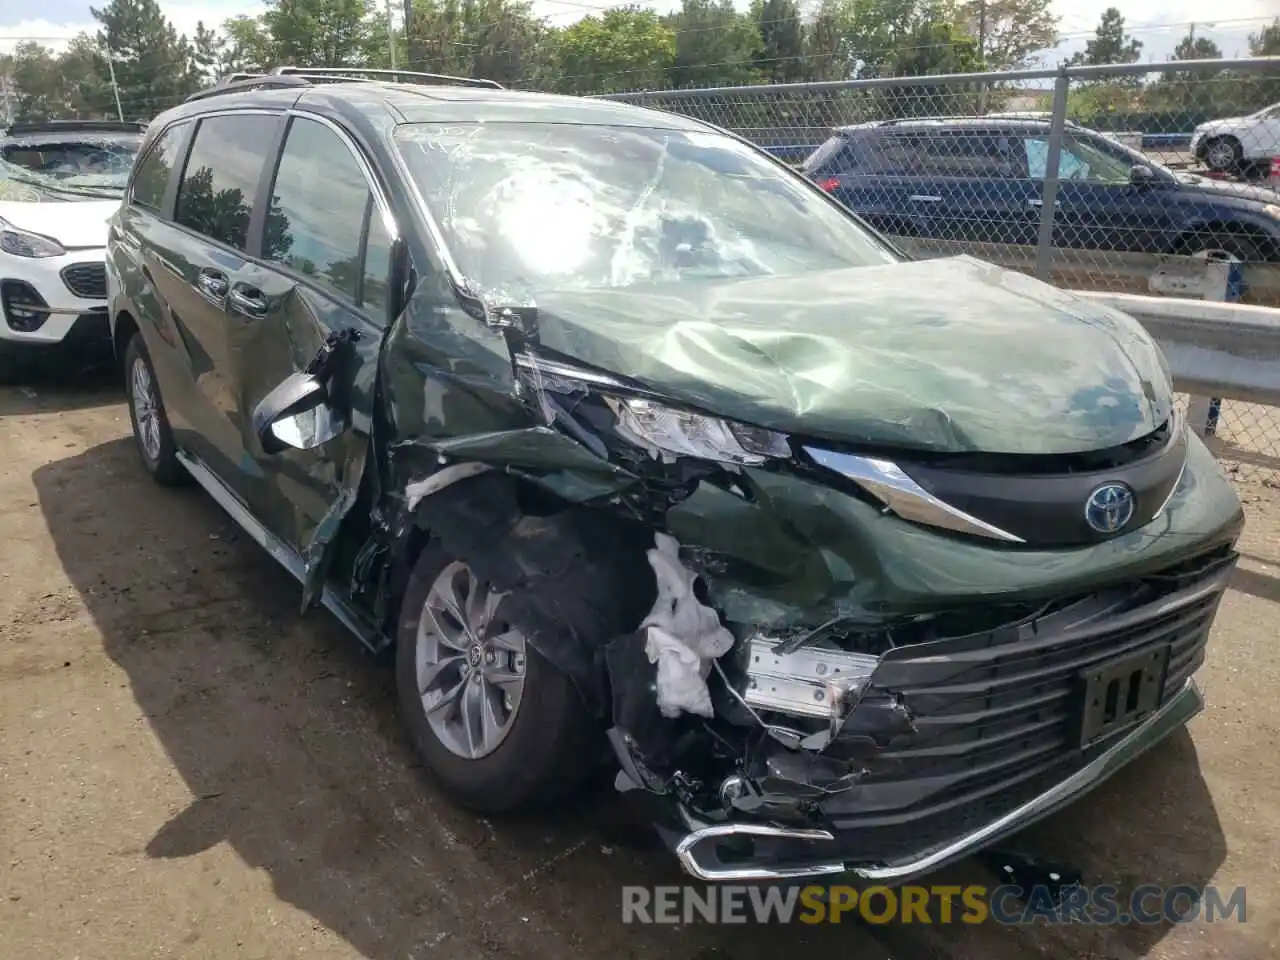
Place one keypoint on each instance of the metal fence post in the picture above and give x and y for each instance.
(1049, 196)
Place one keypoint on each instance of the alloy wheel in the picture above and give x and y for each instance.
(1220, 155)
(470, 664)
(146, 409)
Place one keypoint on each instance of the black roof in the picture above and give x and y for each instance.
(990, 122)
(74, 126)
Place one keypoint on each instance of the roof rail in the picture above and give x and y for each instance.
(1013, 115)
(285, 77)
(240, 82)
(376, 73)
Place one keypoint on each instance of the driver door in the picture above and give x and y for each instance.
(320, 298)
(1098, 208)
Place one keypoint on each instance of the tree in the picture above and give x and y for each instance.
(153, 64)
(1110, 43)
(715, 45)
(781, 58)
(1008, 32)
(627, 48)
(496, 39)
(932, 49)
(42, 90)
(1261, 90)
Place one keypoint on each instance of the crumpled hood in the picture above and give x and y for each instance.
(950, 355)
(77, 223)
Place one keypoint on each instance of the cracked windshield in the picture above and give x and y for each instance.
(50, 169)
(528, 206)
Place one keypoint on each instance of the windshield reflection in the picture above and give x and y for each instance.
(532, 206)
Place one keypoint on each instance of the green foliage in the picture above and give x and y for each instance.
(715, 45)
(627, 48)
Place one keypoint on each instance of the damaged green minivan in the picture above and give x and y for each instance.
(633, 443)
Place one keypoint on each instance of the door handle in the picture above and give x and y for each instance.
(923, 198)
(1040, 203)
(248, 302)
(212, 284)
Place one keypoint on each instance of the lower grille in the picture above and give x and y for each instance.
(997, 715)
(88, 280)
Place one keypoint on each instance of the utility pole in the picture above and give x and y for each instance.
(408, 35)
(115, 87)
(391, 33)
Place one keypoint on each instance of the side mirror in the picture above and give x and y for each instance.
(1141, 175)
(296, 414)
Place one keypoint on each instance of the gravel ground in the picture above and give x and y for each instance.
(188, 768)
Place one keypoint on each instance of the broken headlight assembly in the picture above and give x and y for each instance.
(669, 433)
(665, 432)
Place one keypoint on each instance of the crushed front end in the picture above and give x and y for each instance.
(857, 664)
(888, 599)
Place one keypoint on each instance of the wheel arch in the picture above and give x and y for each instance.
(1184, 242)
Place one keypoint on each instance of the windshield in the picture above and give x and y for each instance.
(539, 206)
(87, 165)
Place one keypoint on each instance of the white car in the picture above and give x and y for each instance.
(1231, 145)
(59, 183)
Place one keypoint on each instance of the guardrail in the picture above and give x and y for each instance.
(1225, 357)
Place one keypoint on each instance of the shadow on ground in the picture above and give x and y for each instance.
(53, 388)
(286, 735)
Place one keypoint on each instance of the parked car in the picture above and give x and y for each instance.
(59, 182)
(618, 431)
(1231, 145)
(981, 180)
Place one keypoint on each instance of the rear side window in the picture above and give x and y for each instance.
(967, 155)
(891, 155)
(322, 216)
(152, 179)
(222, 174)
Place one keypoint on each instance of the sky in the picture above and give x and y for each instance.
(1159, 24)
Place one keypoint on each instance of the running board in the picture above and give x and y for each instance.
(283, 554)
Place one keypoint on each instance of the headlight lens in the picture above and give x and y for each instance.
(668, 432)
(1273, 209)
(21, 243)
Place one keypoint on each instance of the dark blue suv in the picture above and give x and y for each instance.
(981, 180)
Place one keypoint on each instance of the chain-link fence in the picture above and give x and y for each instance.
(1137, 178)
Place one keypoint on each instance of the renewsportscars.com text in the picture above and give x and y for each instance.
(1007, 904)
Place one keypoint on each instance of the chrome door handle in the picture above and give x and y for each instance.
(212, 284)
(1040, 203)
(248, 304)
(923, 198)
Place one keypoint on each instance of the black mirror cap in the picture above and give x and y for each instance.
(299, 393)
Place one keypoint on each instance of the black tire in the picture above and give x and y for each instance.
(553, 744)
(164, 467)
(1223, 155)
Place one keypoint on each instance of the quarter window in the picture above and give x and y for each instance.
(152, 178)
(222, 174)
(321, 208)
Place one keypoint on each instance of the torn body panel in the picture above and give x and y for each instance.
(833, 667)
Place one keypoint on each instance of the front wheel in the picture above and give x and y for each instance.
(496, 724)
(1223, 155)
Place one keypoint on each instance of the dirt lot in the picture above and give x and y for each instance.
(190, 769)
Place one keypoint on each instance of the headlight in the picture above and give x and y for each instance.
(21, 243)
(1272, 209)
(678, 433)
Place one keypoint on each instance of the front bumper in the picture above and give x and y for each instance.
(69, 299)
(695, 849)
